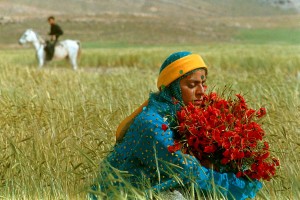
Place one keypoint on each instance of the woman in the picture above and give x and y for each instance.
(144, 137)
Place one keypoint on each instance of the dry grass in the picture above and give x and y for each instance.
(56, 125)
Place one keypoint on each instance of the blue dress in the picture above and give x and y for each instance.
(144, 154)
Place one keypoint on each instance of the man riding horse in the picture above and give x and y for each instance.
(55, 32)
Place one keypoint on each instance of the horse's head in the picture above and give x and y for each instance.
(28, 36)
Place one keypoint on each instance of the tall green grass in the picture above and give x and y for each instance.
(56, 125)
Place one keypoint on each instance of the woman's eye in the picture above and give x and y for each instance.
(191, 85)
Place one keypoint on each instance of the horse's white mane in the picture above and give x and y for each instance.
(41, 40)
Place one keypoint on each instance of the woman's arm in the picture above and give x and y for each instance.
(152, 150)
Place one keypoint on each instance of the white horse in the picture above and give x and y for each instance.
(63, 49)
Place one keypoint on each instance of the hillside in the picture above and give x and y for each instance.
(36, 8)
(141, 22)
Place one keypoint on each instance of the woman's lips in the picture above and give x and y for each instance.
(197, 102)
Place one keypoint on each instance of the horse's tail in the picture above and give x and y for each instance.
(79, 49)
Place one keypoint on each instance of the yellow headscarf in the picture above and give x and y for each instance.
(169, 74)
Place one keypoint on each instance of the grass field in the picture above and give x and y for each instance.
(274, 35)
(56, 124)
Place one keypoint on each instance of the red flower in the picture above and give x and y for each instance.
(250, 113)
(276, 161)
(241, 98)
(239, 174)
(261, 112)
(266, 146)
(213, 96)
(177, 146)
(242, 103)
(210, 149)
(224, 132)
(164, 127)
(224, 161)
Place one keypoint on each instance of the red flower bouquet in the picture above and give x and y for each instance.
(226, 134)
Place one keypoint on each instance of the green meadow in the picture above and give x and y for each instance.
(56, 124)
(270, 35)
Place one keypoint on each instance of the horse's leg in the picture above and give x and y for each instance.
(41, 59)
(41, 62)
(73, 49)
(73, 58)
(73, 61)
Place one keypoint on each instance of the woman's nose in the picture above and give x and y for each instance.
(200, 90)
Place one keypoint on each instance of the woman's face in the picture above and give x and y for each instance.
(193, 87)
